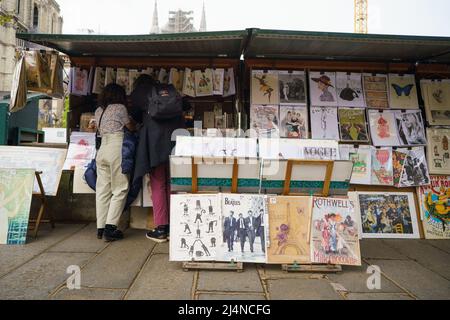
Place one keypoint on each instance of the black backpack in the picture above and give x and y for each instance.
(165, 102)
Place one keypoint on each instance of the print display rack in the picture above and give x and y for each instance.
(35, 223)
(196, 265)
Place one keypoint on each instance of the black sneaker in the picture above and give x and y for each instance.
(160, 234)
(100, 233)
(112, 233)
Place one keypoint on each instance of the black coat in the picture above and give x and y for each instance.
(155, 137)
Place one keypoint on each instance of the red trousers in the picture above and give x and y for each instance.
(160, 185)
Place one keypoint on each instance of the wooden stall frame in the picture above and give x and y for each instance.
(43, 200)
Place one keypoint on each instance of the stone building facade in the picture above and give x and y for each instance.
(38, 16)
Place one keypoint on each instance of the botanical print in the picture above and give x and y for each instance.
(398, 160)
(383, 128)
(382, 170)
(362, 165)
(189, 83)
(388, 215)
(324, 123)
(294, 121)
(438, 151)
(49, 161)
(292, 85)
(436, 95)
(16, 190)
(334, 232)
(376, 91)
(195, 227)
(176, 78)
(435, 208)
(79, 81)
(323, 89)
(218, 79)
(163, 76)
(265, 87)
(289, 228)
(353, 125)
(122, 78)
(110, 76)
(410, 127)
(264, 121)
(99, 80)
(243, 225)
(349, 90)
(403, 91)
(203, 82)
(415, 169)
(133, 75)
(229, 86)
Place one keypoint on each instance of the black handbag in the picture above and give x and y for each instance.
(98, 138)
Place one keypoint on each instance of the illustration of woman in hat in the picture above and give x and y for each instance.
(323, 83)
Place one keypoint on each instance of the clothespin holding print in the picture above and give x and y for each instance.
(232, 263)
(311, 193)
(295, 266)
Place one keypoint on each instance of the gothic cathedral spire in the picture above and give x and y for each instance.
(155, 23)
(203, 21)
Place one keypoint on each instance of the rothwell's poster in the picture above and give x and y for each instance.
(334, 232)
(435, 208)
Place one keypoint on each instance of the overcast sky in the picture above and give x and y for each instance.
(407, 17)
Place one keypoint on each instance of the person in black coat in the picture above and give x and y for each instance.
(155, 147)
(229, 226)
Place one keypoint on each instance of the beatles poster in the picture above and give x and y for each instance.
(292, 87)
(435, 208)
(382, 171)
(388, 215)
(294, 122)
(376, 91)
(324, 123)
(243, 225)
(353, 125)
(265, 87)
(323, 89)
(411, 130)
(289, 225)
(383, 128)
(195, 227)
(349, 90)
(436, 95)
(438, 151)
(334, 232)
(403, 91)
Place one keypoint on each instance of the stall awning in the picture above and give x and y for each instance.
(302, 45)
(227, 44)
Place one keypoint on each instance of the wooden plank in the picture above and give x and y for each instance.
(194, 176)
(235, 178)
(239, 266)
(327, 181)
(288, 177)
(330, 268)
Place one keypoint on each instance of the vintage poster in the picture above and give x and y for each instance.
(415, 169)
(243, 226)
(176, 78)
(189, 83)
(353, 125)
(218, 79)
(133, 75)
(88, 122)
(411, 130)
(265, 87)
(435, 206)
(292, 87)
(99, 80)
(195, 227)
(203, 82)
(334, 232)
(403, 91)
(436, 95)
(289, 228)
(229, 84)
(48, 160)
(16, 191)
(362, 165)
(110, 76)
(39, 71)
(322, 88)
(324, 123)
(294, 121)
(438, 151)
(264, 121)
(123, 78)
(18, 99)
(388, 215)
(80, 81)
(349, 90)
(163, 76)
(382, 167)
(383, 128)
(376, 91)
(398, 160)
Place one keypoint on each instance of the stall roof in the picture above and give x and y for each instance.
(304, 45)
(254, 43)
(197, 44)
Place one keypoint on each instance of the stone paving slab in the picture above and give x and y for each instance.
(13, 256)
(83, 241)
(90, 294)
(420, 281)
(302, 289)
(38, 278)
(275, 272)
(162, 280)
(444, 245)
(247, 281)
(162, 248)
(354, 279)
(378, 296)
(378, 249)
(117, 266)
(426, 255)
(215, 296)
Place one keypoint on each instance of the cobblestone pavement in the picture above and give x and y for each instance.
(136, 268)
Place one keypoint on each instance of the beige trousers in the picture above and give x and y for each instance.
(112, 185)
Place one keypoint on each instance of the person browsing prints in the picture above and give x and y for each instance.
(112, 185)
